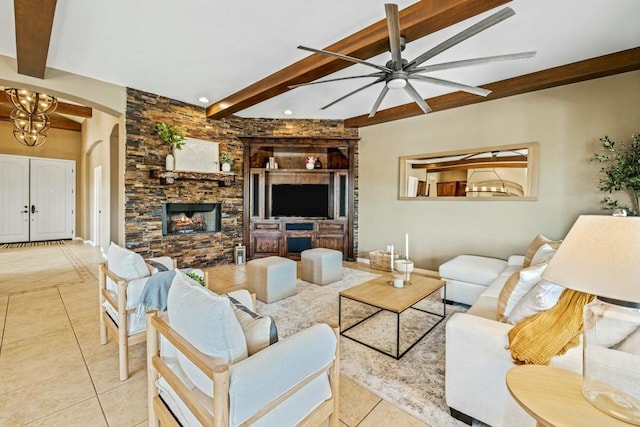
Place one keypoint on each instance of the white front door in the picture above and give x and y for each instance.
(52, 199)
(14, 199)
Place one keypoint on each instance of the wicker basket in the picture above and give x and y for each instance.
(381, 260)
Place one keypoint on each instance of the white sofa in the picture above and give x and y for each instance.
(477, 361)
(468, 276)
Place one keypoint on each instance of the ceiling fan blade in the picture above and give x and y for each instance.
(417, 98)
(474, 61)
(353, 92)
(337, 79)
(488, 22)
(393, 26)
(465, 88)
(346, 58)
(383, 93)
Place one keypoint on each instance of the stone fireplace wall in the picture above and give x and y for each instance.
(144, 195)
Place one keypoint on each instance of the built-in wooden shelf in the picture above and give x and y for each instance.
(169, 177)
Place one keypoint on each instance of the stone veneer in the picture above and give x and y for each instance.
(144, 195)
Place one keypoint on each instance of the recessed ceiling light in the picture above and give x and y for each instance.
(287, 112)
(203, 99)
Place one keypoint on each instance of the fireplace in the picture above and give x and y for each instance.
(185, 218)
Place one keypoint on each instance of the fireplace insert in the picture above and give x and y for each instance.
(184, 218)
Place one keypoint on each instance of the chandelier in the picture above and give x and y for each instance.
(489, 180)
(30, 115)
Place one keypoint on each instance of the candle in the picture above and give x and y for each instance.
(391, 257)
(406, 244)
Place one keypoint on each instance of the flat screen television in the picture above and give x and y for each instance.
(308, 200)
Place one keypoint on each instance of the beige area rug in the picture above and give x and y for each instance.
(27, 269)
(415, 382)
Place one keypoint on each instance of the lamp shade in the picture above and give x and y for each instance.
(600, 256)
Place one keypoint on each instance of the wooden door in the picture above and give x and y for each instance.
(52, 205)
(14, 199)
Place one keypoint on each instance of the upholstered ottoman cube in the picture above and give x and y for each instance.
(321, 266)
(272, 278)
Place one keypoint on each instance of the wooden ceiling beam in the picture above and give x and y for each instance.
(519, 161)
(57, 121)
(62, 108)
(416, 21)
(74, 110)
(601, 66)
(34, 21)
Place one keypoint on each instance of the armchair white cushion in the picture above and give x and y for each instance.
(291, 382)
(208, 322)
(125, 263)
(121, 281)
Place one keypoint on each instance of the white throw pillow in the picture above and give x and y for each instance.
(208, 322)
(260, 332)
(543, 296)
(543, 254)
(125, 263)
(163, 263)
(516, 287)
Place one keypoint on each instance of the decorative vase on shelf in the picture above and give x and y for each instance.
(169, 162)
(318, 164)
(310, 162)
(226, 167)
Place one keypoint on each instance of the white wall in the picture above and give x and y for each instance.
(566, 121)
(96, 133)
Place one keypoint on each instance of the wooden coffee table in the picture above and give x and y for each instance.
(381, 294)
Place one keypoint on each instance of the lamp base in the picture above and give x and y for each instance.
(612, 401)
(611, 368)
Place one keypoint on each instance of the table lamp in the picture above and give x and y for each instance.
(601, 256)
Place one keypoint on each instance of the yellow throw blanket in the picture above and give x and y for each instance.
(549, 333)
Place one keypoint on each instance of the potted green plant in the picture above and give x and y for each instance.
(622, 173)
(225, 161)
(173, 136)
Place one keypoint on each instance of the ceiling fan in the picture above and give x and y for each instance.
(397, 73)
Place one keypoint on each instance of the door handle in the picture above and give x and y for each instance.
(33, 208)
(26, 209)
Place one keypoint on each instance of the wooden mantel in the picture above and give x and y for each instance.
(169, 177)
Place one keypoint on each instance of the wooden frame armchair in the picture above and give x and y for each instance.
(117, 310)
(273, 361)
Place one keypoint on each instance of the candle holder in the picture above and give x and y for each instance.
(405, 266)
(240, 255)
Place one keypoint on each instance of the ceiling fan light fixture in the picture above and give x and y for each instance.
(397, 83)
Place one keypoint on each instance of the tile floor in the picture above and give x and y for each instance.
(53, 370)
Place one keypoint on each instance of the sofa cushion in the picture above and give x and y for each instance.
(208, 322)
(125, 263)
(472, 269)
(543, 254)
(516, 287)
(543, 296)
(259, 332)
(535, 245)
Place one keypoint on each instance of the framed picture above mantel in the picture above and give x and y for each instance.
(197, 155)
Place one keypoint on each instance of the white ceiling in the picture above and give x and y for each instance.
(191, 48)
